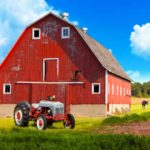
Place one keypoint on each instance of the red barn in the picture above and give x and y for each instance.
(54, 57)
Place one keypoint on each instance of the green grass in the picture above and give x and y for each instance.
(136, 114)
(84, 136)
(51, 139)
(137, 108)
(114, 120)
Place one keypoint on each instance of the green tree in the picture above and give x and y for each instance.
(137, 89)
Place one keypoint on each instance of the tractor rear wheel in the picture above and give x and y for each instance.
(21, 114)
(70, 122)
(41, 122)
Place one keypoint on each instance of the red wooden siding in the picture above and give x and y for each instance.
(122, 90)
(25, 63)
(51, 70)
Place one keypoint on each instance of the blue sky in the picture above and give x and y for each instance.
(123, 26)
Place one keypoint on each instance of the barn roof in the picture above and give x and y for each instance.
(106, 59)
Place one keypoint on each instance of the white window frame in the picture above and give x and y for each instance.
(108, 88)
(62, 31)
(93, 84)
(124, 91)
(129, 92)
(44, 64)
(113, 89)
(4, 88)
(120, 91)
(117, 88)
(36, 29)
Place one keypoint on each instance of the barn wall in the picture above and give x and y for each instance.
(119, 93)
(88, 110)
(24, 63)
(7, 110)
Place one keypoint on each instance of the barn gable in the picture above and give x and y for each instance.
(105, 58)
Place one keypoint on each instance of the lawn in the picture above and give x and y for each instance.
(137, 108)
(86, 135)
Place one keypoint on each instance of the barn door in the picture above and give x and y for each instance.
(51, 70)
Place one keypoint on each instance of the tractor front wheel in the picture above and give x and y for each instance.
(70, 122)
(41, 122)
(21, 114)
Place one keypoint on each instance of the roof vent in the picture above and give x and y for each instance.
(64, 15)
(84, 29)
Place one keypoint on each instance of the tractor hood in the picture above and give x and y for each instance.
(52, 104)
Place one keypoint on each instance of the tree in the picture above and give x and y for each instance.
(141, 90)
(137, 89)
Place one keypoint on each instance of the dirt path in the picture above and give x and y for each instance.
(142, 128)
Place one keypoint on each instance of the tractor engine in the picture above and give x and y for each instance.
(50, 107)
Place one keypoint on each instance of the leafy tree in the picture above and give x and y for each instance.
(141, 90)
(137, 89)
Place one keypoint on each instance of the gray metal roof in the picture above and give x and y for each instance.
(106, 59)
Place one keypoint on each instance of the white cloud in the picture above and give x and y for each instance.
(133, 74)
(137, 76)
(110, 50)
(24, 11)
(3, 40)
(15, 16)
(140, 40)
(76, 23)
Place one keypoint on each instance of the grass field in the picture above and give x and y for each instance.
(137, 108)
(84, 136)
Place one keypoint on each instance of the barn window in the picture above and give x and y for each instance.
(124, 92)
(65, 32)
(108, 88)
(117, 90)
(95, 88)
(112, 89)
(120, 91)
(76, 75)
(36, 33)
(6, 88)
(129, 92)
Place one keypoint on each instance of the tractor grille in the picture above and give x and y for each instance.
(59, 111)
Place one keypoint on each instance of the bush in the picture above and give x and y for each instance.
(114, 120)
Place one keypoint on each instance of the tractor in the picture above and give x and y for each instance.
(44, 113)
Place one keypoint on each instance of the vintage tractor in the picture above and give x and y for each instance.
(44, 113)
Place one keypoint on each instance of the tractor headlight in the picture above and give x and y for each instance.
(49, 112)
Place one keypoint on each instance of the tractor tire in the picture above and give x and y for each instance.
(21, 114)
(70, 122)
(41, 122)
